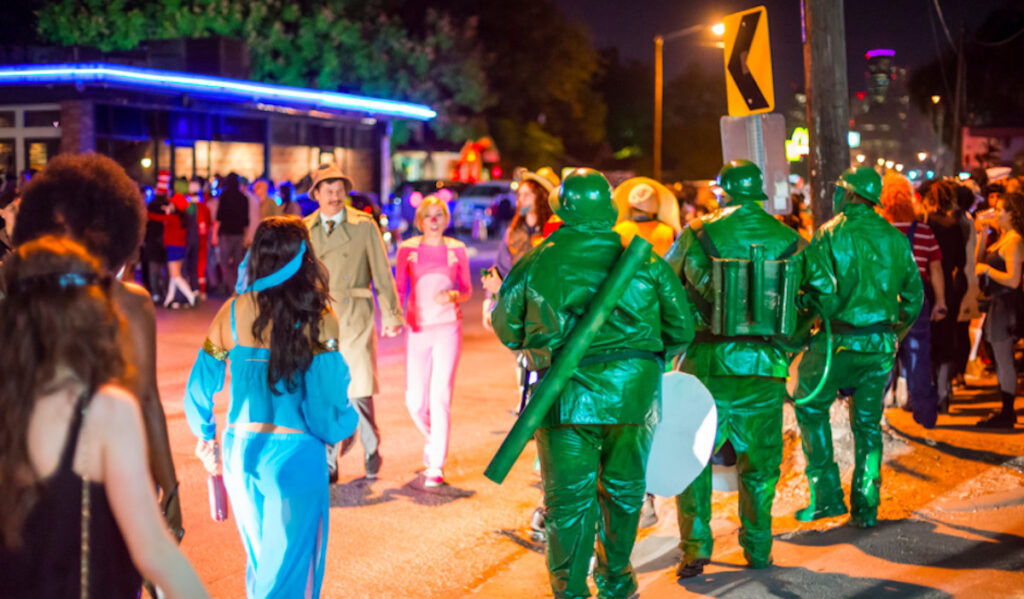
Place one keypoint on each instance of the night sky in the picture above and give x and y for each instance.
(902, 25)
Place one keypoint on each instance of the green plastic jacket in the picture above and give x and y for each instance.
(877, 280)
(733, 229)
(549, 289)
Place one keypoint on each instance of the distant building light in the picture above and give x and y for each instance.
(853, 138)
(889, 163)
(964, 175)
(238, 90)
(147, 162)
(861, 158)
(881, 161)
(929, 174)
(879, 52)
(913, 174)
(899, 168)
(922, 156)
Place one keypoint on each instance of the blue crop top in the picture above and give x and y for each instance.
(319, 405)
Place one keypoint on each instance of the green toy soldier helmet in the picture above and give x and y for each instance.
(585, 198)
(742, 180)
(862, 181)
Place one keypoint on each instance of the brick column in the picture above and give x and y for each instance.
(77, 126)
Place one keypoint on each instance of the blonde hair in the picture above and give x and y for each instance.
(421, 210)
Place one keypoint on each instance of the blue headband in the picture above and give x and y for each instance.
(54, 282)
(273, 279)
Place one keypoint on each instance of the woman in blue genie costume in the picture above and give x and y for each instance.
(281, 339)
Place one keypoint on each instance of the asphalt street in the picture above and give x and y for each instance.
(951, 524)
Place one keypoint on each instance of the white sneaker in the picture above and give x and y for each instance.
(433, 477)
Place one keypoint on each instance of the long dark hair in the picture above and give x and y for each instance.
(1014, 203)
(57, 318)
(294, 307)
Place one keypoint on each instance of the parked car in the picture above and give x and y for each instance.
(479, 204)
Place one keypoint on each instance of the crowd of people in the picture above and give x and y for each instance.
(197, 232)
(78, 511)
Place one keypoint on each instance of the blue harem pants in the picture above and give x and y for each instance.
(277, 486)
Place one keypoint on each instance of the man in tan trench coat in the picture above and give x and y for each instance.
(349, 244)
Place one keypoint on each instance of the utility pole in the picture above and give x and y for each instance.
(828, 101)
(959, 103)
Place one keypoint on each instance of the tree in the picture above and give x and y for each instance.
(542, 70)
(694, 104)
(994, 90)
(347, 45)
(628, 89)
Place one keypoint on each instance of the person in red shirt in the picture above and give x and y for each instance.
(200, 212)
(175, 233)
(914, 355)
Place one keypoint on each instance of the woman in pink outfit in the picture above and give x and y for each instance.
(434, 269)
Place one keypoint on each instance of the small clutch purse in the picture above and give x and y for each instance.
(218, 497)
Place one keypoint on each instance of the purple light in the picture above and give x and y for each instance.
(221, 87)
(879, 52)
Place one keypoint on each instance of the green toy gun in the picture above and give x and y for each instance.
(568, 358)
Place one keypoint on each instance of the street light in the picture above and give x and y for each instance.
(717, 29)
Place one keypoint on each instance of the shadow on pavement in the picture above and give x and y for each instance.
(516, 537)
(977, 455)
(970, 428)
(778, 581)
(897, 466)
(915, 542)
(359, 492)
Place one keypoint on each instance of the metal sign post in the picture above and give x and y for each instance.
(761, 139)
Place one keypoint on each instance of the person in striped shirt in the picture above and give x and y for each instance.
(914, 355)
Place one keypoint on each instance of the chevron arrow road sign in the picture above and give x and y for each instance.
(748, 63)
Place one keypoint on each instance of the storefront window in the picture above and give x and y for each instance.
(7, 156)
(42, 118)
(39, 151)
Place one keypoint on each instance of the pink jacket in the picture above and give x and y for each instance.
(425, 270)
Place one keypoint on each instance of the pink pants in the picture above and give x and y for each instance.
(431, 355)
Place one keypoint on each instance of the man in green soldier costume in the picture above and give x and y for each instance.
(879, 294)
(594, 441)
(745, 372)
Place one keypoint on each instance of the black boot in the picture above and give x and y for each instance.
(1005, 418)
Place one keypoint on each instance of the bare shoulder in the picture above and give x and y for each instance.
(115, 407)
(134, 303)
(220, 328)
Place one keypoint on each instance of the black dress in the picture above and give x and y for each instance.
(950, 238)
(48, 565)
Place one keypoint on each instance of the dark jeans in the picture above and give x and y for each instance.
(232, 250)
(914, 359)
(156, 279)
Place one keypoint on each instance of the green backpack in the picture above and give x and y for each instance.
(752, 297)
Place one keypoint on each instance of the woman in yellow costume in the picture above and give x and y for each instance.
(648, 209)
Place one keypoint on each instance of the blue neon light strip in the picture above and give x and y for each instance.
(235, 89)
